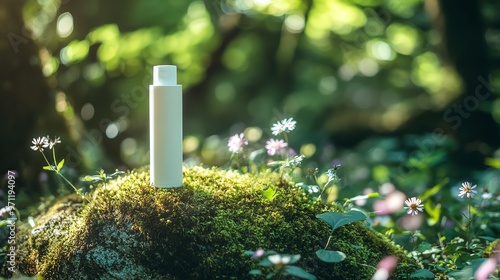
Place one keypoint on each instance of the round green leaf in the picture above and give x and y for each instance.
(337, 219)
(330, 256)
(299, 272)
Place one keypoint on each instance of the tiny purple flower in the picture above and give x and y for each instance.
(258, 253)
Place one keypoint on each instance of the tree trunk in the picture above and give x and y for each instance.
(461, 26)
(24, 95)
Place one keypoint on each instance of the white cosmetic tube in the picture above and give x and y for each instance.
(165, 128)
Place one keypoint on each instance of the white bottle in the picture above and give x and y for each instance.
(165, 128)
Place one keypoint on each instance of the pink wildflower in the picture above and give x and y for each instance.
(236, 142)
(385, 268)
(274, 146)
(488, 266)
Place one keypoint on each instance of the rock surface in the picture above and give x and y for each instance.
(130, 230)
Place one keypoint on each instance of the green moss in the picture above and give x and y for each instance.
(490, 249)
(200, 231)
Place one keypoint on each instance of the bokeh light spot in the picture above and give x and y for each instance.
(382, 51)
(190, 144)
(112, 130)
(225, 92)
(253, 133)
(65, 25)
(368, 67)
(128, 146)
(295, 23)
(403, 38)
(327, 85)
(87, 111)
(308, 150)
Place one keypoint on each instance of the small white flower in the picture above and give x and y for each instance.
(285, 125)
(467, 190)
(414, 205)
(275, 259)
(5, 210)
(487, 195)
(332, 175)
(280, 259)
(39, 144)
(52, 143)
(294, 162)
(313, 189)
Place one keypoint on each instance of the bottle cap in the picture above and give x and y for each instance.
(165, 75)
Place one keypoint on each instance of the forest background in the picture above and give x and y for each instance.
(396, 91)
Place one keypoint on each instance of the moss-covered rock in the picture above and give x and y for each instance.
(130, 230)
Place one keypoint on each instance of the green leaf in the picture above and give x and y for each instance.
(89, 178)
(275, 163)
(487, 238)
(493, 162)
(102, 174)
(293, 258)
(366, 196)
(441, 268)
(432, 191)
(256, 155)
(48, 167)
(434, 212)
(270, 193)
(423, 247)
(270, 275)
(255, 272)
(465, 273)
(116, 174)
(77, 50)
(266, 262)
(60, 164)
(299, 272)
(374, 195)
(422, 273)
(330, 256)
(380, 173)
(337, 219)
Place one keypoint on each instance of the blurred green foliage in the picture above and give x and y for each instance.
(345, 69)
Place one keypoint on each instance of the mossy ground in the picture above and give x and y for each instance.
(130, 230)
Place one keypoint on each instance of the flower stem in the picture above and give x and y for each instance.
(54, 168)
(285, 135)
(54, 156)
(69, 183)
(469, 224)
